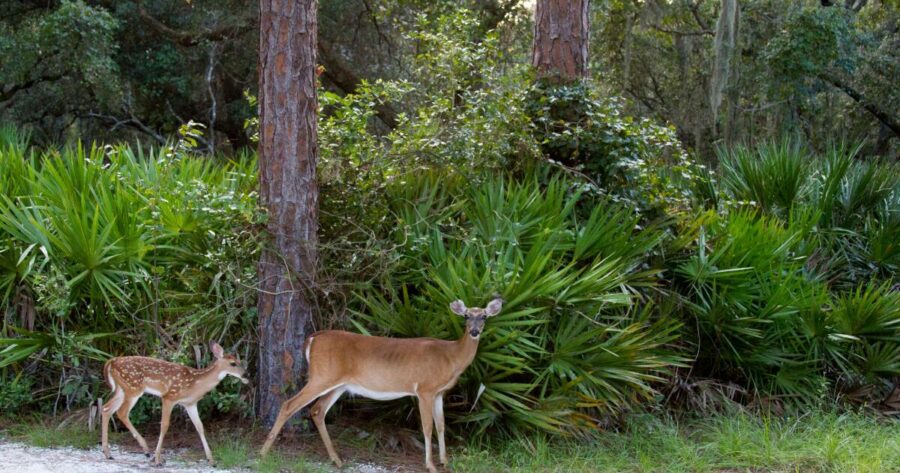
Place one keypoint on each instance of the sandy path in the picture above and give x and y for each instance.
(21, 458)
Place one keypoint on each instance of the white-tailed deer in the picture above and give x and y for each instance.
(129, 377)
(383, 369)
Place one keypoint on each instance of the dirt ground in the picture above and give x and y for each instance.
(21, 458)
(373, 449)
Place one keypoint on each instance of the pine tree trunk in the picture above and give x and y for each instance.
(561, 36)
(289, 192)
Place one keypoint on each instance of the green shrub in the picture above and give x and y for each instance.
(15, 394)
(570, 343)
(746, 299)
(634, 159)
(158, 249)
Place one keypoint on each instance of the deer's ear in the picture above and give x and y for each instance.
(493, 308)
(217, 350)
(458, 307)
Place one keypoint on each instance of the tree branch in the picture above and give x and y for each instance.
(695, 11)
(190, 38)
(883, 116)
(339, 73)
(132, 122)
(8, 92)
(684, 33)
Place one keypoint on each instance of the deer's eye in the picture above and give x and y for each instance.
(233, 364)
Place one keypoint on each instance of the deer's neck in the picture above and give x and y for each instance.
(467, 347)
(208, 378)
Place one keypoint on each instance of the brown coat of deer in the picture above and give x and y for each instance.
(383, 369)
(130, 377)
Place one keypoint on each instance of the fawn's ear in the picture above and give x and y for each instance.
(217, 350)
(493, 308)
(458, 307)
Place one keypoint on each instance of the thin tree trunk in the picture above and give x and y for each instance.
(561, 36)
(289, 192)
(724, 45)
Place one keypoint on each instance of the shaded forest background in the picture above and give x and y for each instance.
(722, 72)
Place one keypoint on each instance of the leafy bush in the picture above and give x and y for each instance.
(748, 298)
(792, 267)
(569, 345)
(158, 249)
(634, 159)
(15, 395)
(857, 202)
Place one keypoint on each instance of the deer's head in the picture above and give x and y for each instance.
(227, 364)
(476, 316)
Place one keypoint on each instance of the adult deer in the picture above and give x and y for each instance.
(129, 377)
(383, 369)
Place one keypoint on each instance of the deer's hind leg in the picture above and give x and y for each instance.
(318, 412)
(308, 394)
(113, 404)
(123, 413)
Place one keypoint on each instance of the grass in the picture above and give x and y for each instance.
(738, 442)
(817, 442)
(48, 434)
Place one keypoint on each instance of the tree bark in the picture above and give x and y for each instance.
(289, 192)
(561, 36)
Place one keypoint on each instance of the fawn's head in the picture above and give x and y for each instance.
(476, 316)
(227, 364)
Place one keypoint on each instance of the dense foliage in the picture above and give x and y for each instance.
(634, 276)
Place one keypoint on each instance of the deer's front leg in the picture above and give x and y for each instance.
(426, 410)
(439, 426)
(198, 424)
(163, 427)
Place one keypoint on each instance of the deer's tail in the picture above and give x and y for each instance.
(108, 376)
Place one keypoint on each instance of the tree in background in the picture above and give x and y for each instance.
(725, 71)
(289, 191)
(561, 35)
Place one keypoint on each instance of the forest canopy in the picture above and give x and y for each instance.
(722, 72)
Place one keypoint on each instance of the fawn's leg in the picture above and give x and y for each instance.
(113, 404)
(198, 424)
(163, 427)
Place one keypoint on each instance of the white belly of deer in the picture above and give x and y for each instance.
(357, 390)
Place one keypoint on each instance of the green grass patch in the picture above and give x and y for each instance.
(737, 442)
(818, 442)
(230, 452)
(44, 434)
